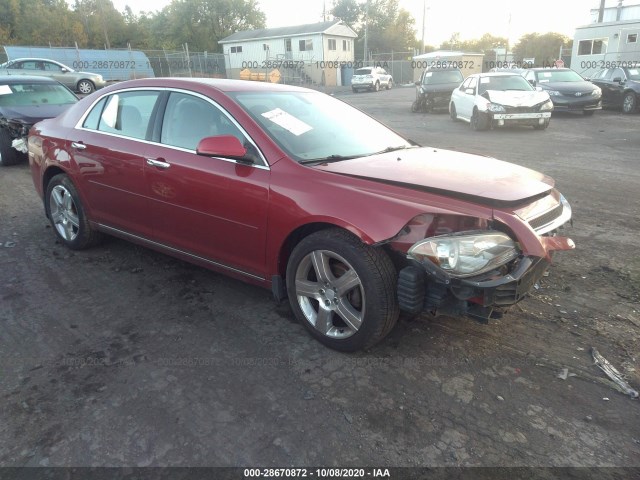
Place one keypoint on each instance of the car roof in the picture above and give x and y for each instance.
(498, 74)
(15, 79)
(221, 84)
(33, 58)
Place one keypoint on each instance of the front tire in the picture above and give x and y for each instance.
(376, 87)
(342, 290)
(86, 86)
(8, 154)
(543, 126)
(390, 84)
(629, 103)
(66, 214)
(479, 121)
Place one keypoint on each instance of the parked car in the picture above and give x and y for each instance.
(487, 100)
(620, 87)
(371, 78)
(567, 89)
(82, 82)
(23, 102)
(433, 90)
(299, 192)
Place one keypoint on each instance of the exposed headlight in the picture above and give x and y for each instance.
(468, 254)
(553, 93)
(596, 92)
(546, 106)
(496, 108)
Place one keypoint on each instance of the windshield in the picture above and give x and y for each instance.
(558, 76)
(506, 82)
(634, 74)
(30, 94)
(313, 126)
(437, 77)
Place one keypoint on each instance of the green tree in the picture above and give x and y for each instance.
(545, 48)
(349, 11)
(202, 23)
(484, 44)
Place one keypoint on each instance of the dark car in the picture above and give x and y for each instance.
(620, 87)
(433, 90)
(24, 101)
(569, 91)
(298, 192)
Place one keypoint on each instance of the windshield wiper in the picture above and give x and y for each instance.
(392, 149)
(329, 159)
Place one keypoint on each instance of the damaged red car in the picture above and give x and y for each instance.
(298, 192)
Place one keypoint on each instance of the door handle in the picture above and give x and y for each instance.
(160, 163)
(78, 145)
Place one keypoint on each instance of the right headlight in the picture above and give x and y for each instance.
(466, 254)
(548, 105)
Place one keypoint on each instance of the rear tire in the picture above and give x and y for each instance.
(8, 154)
(342, 290)
(86, 86)
(452, 112)
(390, 84)
(67, 216)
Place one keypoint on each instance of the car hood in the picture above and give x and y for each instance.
(583, 87)
(440, 87)
(33, 113)
(514, 98)
(482, 179)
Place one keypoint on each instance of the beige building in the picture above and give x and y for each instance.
(316, 52)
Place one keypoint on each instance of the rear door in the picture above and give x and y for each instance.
(109, 149)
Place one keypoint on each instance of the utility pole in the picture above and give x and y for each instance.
(424, 14)
(366, 31)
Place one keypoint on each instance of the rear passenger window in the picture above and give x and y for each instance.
(91, 121)
(128, 113)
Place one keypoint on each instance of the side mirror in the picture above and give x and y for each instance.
(539, 89)
(618, 79)
(532, 82)
(64, 70)
(226, 146)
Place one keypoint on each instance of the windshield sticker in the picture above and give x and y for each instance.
(5, 90)
(485, 80)
(634, 71)
(546, 74)
(287, 121)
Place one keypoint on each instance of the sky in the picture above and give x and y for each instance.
(471, 18)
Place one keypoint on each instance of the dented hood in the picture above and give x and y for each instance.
(514, 98)
(448, 172)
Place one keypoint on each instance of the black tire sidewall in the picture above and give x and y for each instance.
(634, 103)
(373, 318)
(84, 232)
(10, 156)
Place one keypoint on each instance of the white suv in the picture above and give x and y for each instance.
(371, 78)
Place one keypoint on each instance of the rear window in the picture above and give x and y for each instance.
(363, 71)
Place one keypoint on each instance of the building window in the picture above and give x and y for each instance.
(332, 44)
(287, 45)
(632, 38)
(346, 45)
(236, 49)
(597, 46)
(305, 45)
(265, 47)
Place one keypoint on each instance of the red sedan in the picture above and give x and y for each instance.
(299, 192)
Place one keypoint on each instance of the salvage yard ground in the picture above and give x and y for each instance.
(122, 356)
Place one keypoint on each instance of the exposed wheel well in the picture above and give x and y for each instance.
(48, 175)
(294, 238)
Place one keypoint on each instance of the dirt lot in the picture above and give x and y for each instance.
(122, 356)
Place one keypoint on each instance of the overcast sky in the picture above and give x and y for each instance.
(471, 18)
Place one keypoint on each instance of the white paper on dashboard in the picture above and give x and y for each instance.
(287, 121)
